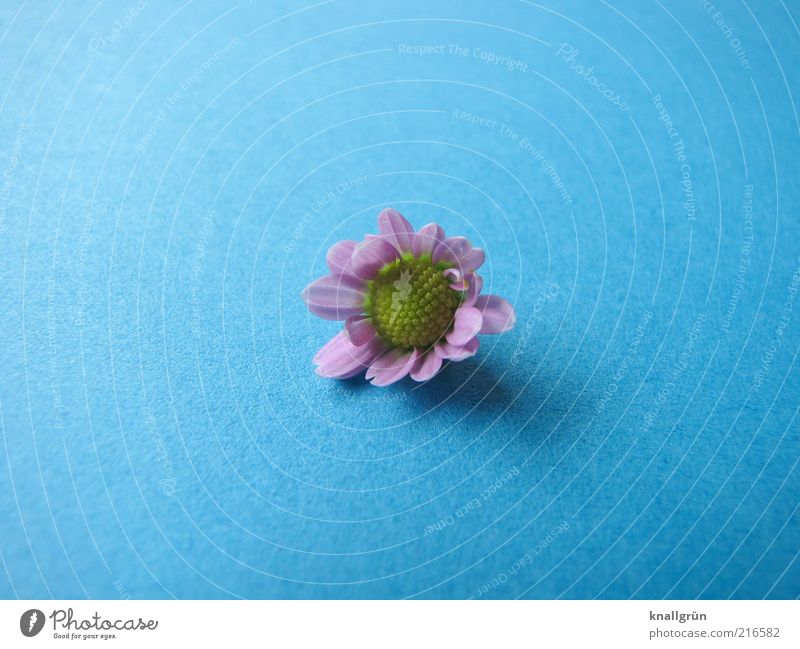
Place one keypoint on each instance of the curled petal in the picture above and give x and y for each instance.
(426, 366)
(341, 359)
(428, 237)
(339, 255)
(391, 367)
(335, 297)
(498, 314)
(371, 255)
(359, 330)
(467, 324)
(475, 282)
(459, 251)
(396, 228)
(457, 352)
(456, 277)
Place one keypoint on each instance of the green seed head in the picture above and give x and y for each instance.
(411, 302)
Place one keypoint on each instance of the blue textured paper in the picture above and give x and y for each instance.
(171, 177)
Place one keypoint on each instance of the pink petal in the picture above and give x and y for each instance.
(467, 323)
(457, 352)
(456, 278)
(498, 314)
(371, 255)
(424, 241)
(396, 228)
(459, 251)
(359, 330)
(335, 297)
(339, 255)
(340, 359)
(450, 248)
(473, 261)
(426, 367)
(391, 367)
(475, 285)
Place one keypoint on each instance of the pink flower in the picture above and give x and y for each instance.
(409, 301)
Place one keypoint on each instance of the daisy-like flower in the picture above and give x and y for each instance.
(409, 301)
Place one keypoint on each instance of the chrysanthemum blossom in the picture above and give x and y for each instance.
(409, 300)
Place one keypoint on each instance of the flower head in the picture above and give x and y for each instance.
(409, 301)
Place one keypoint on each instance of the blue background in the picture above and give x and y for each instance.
(171, 176)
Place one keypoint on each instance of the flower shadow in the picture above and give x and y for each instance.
(469, 383)
(529, 406)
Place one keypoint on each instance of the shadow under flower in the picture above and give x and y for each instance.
(529, 404)
(468, 383)
(527, 407)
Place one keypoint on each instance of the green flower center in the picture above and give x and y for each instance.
(411, 303)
